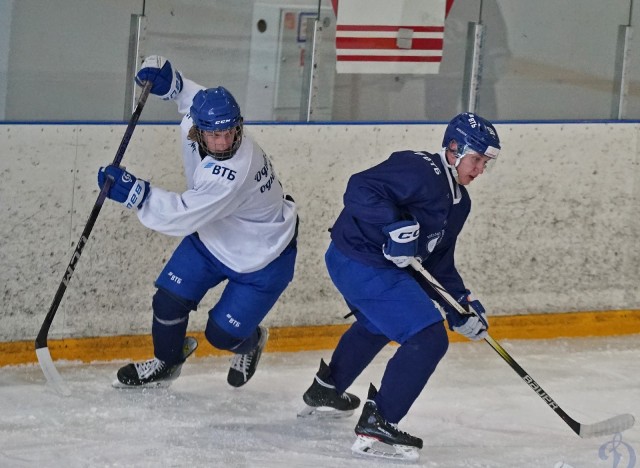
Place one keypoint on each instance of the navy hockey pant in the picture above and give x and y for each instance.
(389, 305)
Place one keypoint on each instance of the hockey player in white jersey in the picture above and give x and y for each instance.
(237, 224)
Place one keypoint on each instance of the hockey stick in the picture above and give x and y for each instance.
(609, 426)
(42, 349)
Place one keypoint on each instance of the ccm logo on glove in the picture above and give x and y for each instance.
(404, 235)
(402, 242)
(136, 195)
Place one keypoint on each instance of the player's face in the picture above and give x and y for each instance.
(219, 140)
(471, 166)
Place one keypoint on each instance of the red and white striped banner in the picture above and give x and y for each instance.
(389, 36)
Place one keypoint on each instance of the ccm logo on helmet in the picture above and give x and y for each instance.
(223, 121)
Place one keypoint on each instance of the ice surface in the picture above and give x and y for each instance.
(475, 412)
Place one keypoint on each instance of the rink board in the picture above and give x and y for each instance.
(325, 337)
(553, 226)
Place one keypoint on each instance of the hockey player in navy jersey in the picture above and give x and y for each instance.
(413, 205)
(237, 225)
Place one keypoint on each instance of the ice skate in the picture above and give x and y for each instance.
(323, 401)
(153, 373)
(376, 437)
(243, 366)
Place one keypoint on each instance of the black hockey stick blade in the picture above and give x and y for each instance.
(42, 350)
(609, 426)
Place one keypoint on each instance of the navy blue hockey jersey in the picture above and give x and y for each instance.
(408, 183)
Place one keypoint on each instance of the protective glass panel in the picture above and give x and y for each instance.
(69, 60)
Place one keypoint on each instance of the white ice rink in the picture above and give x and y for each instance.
(475, 412)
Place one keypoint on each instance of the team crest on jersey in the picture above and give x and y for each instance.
(433, 240)
(224, 172)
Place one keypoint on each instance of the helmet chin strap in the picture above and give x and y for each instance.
(453, 168)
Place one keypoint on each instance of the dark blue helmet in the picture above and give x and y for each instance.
(215, 109)
(472, 132)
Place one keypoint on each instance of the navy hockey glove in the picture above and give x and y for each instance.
(126, 188)
(167, 82)
(474, 324)
(402, 245)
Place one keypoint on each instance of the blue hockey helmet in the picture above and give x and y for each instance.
(472, 132)
(216, 110)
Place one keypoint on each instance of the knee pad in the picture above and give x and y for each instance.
(169, 309)
(425, 349)
(219, 337)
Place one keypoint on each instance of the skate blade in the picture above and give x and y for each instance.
(370, 447)
(189, 346)
(323, 412)
(159, 384)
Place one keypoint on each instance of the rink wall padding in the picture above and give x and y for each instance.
(554, 225)
(325, 337)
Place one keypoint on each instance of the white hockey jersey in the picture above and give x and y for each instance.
(236, 206)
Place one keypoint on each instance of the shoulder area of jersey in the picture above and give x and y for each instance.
(242, 155)
(428, 160)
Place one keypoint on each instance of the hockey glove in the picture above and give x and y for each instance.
(167, 82)
(126, 188)
(402, 243)
(474, 324)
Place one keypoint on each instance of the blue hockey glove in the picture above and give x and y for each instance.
(126, 188)
(473, 325)
(167, 82)
(402, 245)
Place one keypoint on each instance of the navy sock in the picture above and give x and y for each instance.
(170, 320)
(355, 351)
(409, 370)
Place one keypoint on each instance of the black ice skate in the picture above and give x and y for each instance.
(153, 373)
(323, 401)
(379, 438)
(243, 366)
